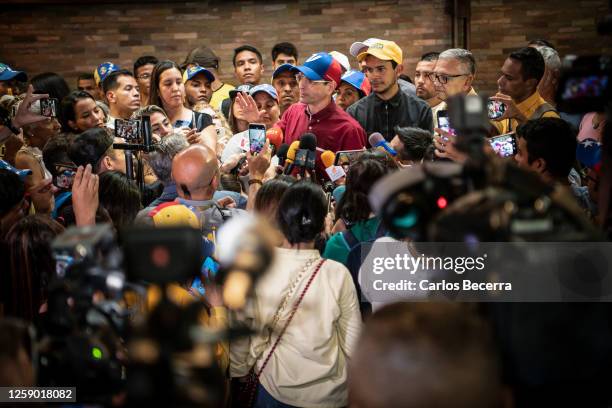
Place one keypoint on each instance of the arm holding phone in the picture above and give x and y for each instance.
(258, 165)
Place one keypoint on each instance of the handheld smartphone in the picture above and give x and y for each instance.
(346, 157)
(504, 145)
(48, 107)
(301, 158)
(64, 175)
(257, 137)
(181, 124)
(443, 122)
(495, 109)
(127, 129)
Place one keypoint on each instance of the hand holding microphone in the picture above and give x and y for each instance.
(377, 141)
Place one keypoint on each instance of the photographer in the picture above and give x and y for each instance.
(548, 147)
(311, 371)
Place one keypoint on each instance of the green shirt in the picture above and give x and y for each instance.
(338, 249)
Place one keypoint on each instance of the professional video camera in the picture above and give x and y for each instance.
(108, 347)
(487, 198)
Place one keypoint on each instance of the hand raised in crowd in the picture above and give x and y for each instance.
(444, 143)
(247, 104)
(259, 163)
(192, 135)
(85, 196)
(511, 112)
(24, 116)
(231, 162)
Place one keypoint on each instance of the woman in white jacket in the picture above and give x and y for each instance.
(307, 367)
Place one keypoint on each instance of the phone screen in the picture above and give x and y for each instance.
(257, 137)
(504, 145)
(443, 122)
(48, 107)
(495, 109)
(127, 129)
(346, 157)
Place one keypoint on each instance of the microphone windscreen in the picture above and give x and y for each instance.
(328, 157)
(375, 138)
(308, 141)
(281, 153)
(292, 149)
(275, 136)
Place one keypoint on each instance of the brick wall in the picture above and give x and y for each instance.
(68, 39)
(501, 26)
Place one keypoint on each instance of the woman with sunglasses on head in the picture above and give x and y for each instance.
(168, 92)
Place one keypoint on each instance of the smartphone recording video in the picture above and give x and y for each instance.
(504, 145)
(64, 175)
(257, 137)
(444, 123)
(48, 107)
(127, 129)
(495, 109)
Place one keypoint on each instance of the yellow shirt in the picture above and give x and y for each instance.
(527, 108)
(220, 95)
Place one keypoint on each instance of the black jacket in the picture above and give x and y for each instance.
(376, 115)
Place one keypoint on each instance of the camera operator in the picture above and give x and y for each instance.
(195, 171)
(548, 147)
(30, 266)
(426, 354)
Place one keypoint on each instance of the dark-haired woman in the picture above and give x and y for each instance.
(24, 283)
(79, 112)
(353, 212)
(307, 365)
(120, 197)
(52, 84)
(168, 92)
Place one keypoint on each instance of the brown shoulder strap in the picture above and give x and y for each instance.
(542, 109)
(293, 310)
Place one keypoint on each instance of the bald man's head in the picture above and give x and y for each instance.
(195, 171)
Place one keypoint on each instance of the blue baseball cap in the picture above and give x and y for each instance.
(358, 80)
(267, 88)
(194, 70)
(282, 68)
(321, 67)
(103, 70)
(242, 88)
(7, 73)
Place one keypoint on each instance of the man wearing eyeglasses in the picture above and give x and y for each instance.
(452, 75)
(143, 68)
(317, 113)
(387, 106)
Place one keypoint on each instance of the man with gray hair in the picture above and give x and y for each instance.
(547, 87)
(453, 74)
(160, 161)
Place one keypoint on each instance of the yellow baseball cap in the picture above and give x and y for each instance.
(384, 50)
(173, 214)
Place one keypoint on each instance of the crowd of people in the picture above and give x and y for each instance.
(314, 342)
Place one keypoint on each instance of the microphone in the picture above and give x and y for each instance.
(377, 141)
(275, 136)
(281, 153)
(306, 154)
(291, 156)
(333, 172)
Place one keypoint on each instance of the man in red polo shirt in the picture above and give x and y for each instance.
(316, 112)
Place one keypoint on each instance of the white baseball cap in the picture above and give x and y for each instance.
(342, 59)
(359, 46)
